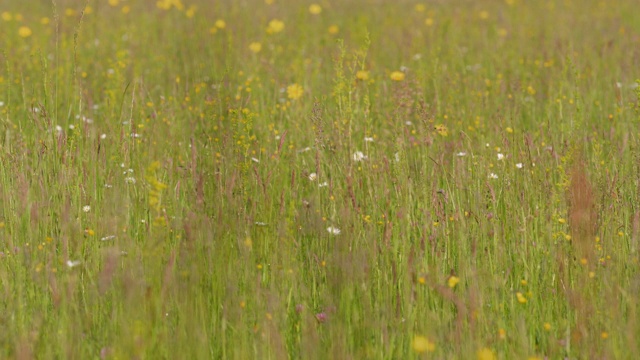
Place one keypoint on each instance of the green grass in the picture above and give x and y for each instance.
(168, 192)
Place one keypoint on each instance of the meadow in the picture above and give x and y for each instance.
(358, 179)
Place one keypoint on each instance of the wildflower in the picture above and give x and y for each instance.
(73, 263)
(255, 47)
(500, 156)
(461, 154)
(86, 208)
(519, 165)
(521, 298)
(315, 9)
(321, 317)
(368, 139)
(103, 136)
(453, 281)
(486, 354)
(502, 334)
(24, 31)
(333, 230)
(362, 75)
(441, 129)
(359, 156)
(313, 176)
(260, 223)
(397, 76)
(324, 184)
(130, 180)
(6, 16)
(547, 326)
(484, 15)
(333, 29)
(255, 160)
(108, 237)
(422, 344)
(493, 176)
(294, 91)
(509, 130)
(220, 24)
(275, 26)
(114, 2)
(604, 335)
(428, 21)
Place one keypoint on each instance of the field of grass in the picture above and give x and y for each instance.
(353, 179)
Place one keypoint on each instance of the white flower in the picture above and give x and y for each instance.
(408, 123)
(107, 238)
(86, 208)
(313, 176)
(1, 103)
(73, 263)
(130, 180)
(500, 156)
(461, 154)
(103, 136)
(59, 128)
(368, 139)
(493, 176)
(255, 160)
(333, 230)
(397, 156)
(260, 223)
(323, 184)
(359, 156)
(519, 165)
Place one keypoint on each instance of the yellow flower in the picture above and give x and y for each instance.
(114, 2)
(6, 16)
(191, 12)
(502, 334)
(484, 15)
(333, 29)
(422, 344)
(547, 326)
(441, 129)
(521, 298)
(24, 32)
(275, 26)
(486, 354)
(362, 75)
(420, 8)
(453, 281)
(294, 91)
(315, 9)
(428, 21)
(397, 76)
(255, 47)
(220, 24)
